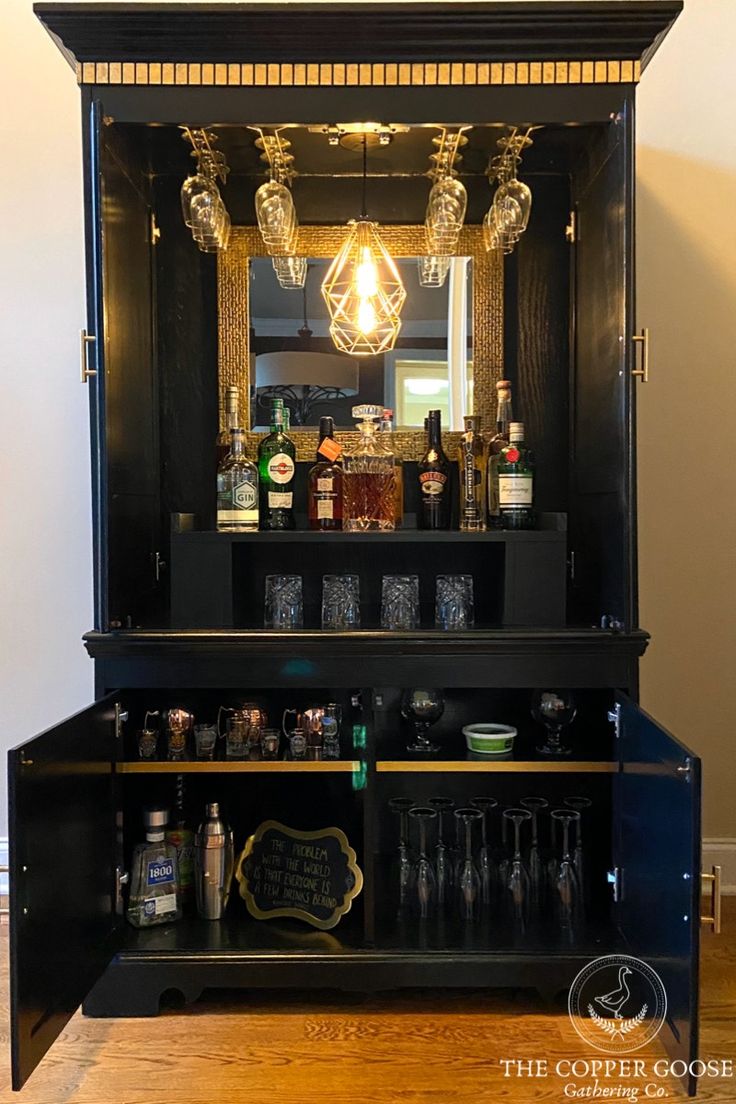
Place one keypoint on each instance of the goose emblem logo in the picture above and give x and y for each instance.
(617, 1004)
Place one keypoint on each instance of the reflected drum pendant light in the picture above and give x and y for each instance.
(363, 290)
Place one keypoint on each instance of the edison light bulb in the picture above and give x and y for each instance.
(366, 274)
(366, 316)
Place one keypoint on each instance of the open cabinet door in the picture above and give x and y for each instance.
(63, 915)
(657, 841)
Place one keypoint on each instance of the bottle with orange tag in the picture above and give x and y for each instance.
(516, 482)
(324, 482)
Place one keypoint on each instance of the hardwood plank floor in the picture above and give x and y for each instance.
(437, 1047)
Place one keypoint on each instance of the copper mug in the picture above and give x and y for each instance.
(249, 717)
(310, 721)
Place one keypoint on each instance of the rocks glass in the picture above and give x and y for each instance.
(453, 610)
(341, 602)
(400, 603)
(284, 608)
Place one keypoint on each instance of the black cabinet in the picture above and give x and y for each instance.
(178, 606)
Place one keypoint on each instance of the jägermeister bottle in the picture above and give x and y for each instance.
(516, 482)
(276, 469)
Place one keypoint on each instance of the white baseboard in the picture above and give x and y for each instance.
(721, 851)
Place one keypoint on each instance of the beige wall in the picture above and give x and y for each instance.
(686, 214)
(687, 295)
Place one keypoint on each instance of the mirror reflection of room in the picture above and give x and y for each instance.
(295, 358)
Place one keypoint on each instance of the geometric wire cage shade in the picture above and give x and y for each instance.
(363, 293)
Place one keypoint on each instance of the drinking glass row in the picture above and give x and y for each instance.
(530, 871)
(284, 603)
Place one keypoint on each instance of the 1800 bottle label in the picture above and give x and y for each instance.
(159, 872)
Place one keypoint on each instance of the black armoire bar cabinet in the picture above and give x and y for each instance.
(179, 606)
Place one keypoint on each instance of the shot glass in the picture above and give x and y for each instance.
(284, 607)
(270, 743)
(453, 609)
(298, 744)
(341, 602)
(205, 741)
(400, 603)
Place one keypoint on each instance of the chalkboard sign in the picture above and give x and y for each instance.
(312, 876)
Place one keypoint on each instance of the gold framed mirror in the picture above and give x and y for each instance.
(402, 241)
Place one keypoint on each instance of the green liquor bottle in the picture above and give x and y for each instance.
(276, 469)
(516, 482)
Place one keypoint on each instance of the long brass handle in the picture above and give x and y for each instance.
(715, 903)
(643, 372)
(85, 340)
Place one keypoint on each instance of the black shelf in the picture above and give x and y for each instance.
(396, 536)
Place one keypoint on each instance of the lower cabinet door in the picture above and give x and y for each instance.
(62, 876)
(657, 847)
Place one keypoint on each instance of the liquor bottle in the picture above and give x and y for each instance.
(516, 482)
(232, 421)
(387, 426)
(472, 463)
(368, 482)
(237, 488)
(154, 885)
(434, 479)
(276, 468)
(500, 439)
(324, 482)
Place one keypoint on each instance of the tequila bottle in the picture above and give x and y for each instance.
(277, 469)
(154, 885)
(472, 464)
(516, 482)
(369, 490)
(237, 488)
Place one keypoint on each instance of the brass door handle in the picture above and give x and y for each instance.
(643, 372)
(85, 340)
(715, 905)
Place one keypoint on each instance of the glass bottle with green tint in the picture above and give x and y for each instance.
(499, 441)
(516, 482)
(237, 488)
(276, 470)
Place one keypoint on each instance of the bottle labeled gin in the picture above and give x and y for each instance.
(237, 488)
(277, 469)
(472, 464)
(154, 883)
(516, 482)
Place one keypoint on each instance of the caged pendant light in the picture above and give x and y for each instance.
(363, 290)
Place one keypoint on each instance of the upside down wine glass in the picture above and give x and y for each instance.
(517, 876)
(424, 879)
(401, 806)
(486, 806)
(468, 887)
(567, 887)
(442, 854)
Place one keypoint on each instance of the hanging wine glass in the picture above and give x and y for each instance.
(468, 882)
(555, 709)
(422, 708)
(424, 879)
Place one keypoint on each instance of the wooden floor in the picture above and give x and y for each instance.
(434, 1048)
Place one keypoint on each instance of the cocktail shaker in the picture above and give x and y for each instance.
(213, 864)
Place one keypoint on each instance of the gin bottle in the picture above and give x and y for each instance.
(237, 488)
(516, 482)
(154, 883)
(232, 421)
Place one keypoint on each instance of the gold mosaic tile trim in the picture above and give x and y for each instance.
(325, 241)
(371, 74)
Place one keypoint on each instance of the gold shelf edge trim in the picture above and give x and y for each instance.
(402, 766)
(358, 74)
(343, 766)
